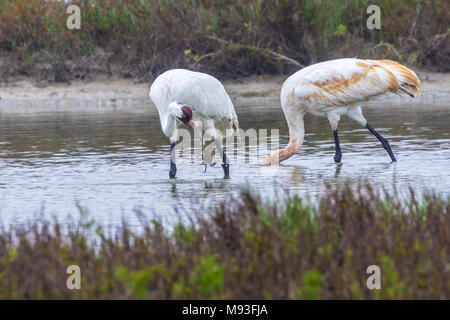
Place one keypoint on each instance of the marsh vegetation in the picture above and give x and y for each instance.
(246, 249)
(234, 38)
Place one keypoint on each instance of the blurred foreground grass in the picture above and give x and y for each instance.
(245, 249)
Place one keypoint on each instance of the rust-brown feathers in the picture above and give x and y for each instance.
(353, 80)
(407, 77)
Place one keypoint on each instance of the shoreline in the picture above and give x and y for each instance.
(104, 94)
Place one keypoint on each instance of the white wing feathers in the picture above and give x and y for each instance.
(203, 93)
(347, 81)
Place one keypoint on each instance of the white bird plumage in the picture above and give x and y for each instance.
(338, 87)
(212, 110)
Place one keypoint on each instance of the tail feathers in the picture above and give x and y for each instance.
(407, 89)
(407, 80)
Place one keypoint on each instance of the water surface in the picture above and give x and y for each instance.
(114, 161)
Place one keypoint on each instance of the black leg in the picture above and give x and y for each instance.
(338, 154)
(383, 141)
(225, 166)
(173, 167)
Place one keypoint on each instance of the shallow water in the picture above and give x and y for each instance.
(115, 161)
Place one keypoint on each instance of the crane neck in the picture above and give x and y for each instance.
(296, 136)
(169, 126)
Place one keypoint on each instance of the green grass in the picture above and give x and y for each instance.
(231, 38)
(245, 249)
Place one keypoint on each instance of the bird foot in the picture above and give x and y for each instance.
(226, 170)
(172, 171)
(387, 147)
(337, 158)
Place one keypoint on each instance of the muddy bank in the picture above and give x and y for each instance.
(114, 93)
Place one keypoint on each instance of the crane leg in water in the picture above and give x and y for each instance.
(334, 117)
(173, 167)
(383, 141)
(225, 164)
(338, 154)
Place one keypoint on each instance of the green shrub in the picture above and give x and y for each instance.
(227, 38)
(245, 248)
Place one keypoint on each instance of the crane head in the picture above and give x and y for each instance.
(181, 112)
(186, 116)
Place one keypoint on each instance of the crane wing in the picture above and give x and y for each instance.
(208, 97)
(204, 93)
(347, 81)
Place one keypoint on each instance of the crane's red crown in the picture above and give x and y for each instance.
(187, 114)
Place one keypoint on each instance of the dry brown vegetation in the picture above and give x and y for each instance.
(233, 38)
(246, 249)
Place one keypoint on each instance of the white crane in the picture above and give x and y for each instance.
(338, 87)
(195, 99)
